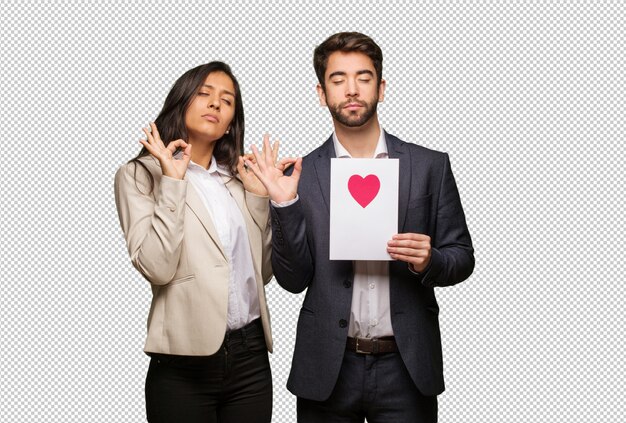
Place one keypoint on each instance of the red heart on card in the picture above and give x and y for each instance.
(364, 190)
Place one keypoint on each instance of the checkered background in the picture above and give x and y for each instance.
(528, 99)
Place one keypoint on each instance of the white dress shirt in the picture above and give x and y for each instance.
(370, 313)
(243, 298)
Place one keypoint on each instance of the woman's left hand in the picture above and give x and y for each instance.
(250, 182)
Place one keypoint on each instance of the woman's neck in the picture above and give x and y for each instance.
(202, 152)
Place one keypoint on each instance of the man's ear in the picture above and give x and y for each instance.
(321, 95)
(381, 90)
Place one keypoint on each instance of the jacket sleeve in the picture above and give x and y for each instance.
(259, 208)
(291, 256)
(152, 222)
(452, 254)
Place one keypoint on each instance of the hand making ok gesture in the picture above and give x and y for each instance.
(280, 187)
(172, 167)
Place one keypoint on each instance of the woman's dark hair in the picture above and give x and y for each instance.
(171, 119)
(347, 42)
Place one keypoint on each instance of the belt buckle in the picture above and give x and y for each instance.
(358, 351)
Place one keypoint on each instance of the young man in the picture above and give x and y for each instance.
(368, 342)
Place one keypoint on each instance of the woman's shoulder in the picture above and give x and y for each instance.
(148, 163)
(141, 171)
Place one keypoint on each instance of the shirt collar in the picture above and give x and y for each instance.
(381, 147)
(214, 167)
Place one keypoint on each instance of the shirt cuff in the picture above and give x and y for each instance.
(285, 203)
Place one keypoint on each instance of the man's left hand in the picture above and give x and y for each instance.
(411, 248)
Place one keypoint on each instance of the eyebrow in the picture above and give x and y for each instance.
(360, 72)
(224, 91)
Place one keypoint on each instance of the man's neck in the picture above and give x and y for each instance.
(360, 142)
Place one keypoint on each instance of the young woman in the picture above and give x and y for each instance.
(196, 225)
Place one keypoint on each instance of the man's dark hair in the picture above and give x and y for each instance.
(347, 42)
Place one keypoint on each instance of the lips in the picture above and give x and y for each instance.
(353, 106)
(211, 118)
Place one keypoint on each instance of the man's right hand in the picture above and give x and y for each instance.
(280, 187)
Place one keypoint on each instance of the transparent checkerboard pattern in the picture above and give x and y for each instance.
(527, 98)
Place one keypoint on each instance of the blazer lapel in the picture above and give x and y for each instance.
(322, 169)
(396, 150)
(196, 205)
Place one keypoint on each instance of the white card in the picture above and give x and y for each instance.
(363, 208)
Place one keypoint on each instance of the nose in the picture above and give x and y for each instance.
(352, 89)
(214, 102)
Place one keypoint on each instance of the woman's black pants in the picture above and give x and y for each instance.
(232, 385)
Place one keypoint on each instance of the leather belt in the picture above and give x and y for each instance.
(386, 344)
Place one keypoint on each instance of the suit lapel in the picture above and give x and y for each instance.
(198, 207)
(397, 150)
(322, 169)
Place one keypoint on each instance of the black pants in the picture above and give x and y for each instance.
(232, 385)
(373, 387)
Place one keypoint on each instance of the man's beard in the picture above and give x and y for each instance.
(352, 119)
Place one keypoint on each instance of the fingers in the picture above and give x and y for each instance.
(149, 136)
(268, 152)
(176, 144)
(412, 245)
(153, 138)
(249, 156)
(287, 160)
(258, 161)
(186, 154)
(297, 169)
(411, 236)
(241, 167)
(411, 248)
(408, 243)
(155, 134)
(267, 156)
(266, 159)
(253, 166)
(251, 173)
(408, 259)
(157, 148)
(148, 146)
(275, 151)
(242, 162)
(285, 163)
(401, 257)
(409, 252)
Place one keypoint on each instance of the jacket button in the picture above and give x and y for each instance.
(343, 323)
(347, 283)
(172, 209)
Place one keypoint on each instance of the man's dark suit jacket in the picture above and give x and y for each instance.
(429, 204)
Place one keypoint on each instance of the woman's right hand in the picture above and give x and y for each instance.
(174, 168)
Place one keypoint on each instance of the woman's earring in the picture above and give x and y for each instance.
(228, 131)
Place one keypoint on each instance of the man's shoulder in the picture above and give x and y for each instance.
(416, 150)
